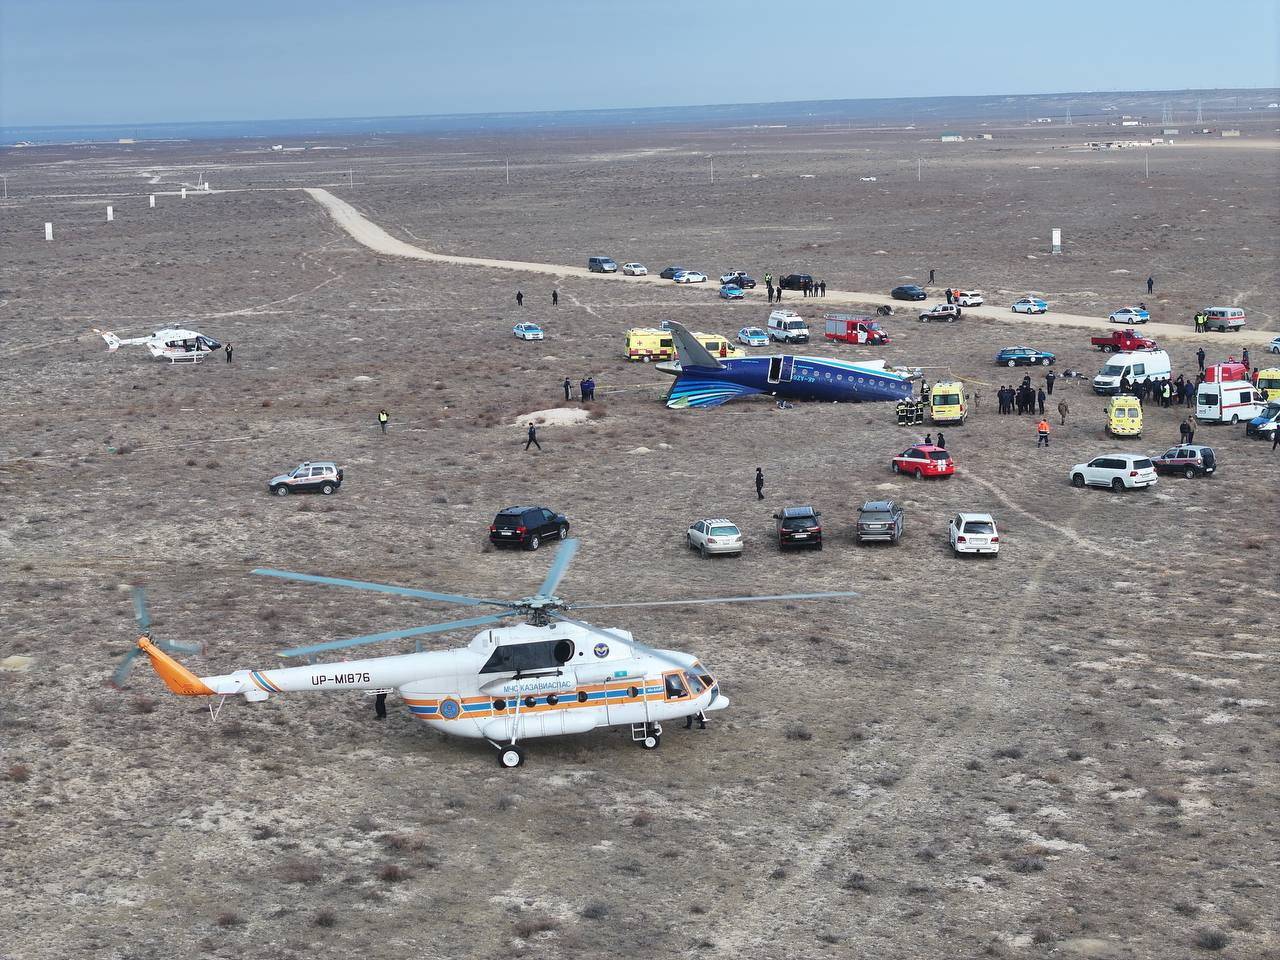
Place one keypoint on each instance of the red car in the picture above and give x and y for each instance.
(924, 460)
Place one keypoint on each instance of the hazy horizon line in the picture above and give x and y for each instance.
(631, 109)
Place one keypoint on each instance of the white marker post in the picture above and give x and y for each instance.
(48, 231)
(184, 193)
(111, 214)
(153, 199)
(1057, 240)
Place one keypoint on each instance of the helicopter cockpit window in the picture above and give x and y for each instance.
(675, 687)
(524, 657)
(698, 678)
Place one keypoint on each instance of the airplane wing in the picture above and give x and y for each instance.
(690, 351)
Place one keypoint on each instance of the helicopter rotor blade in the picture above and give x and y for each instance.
(564, 557)
(618, 638)
(690, 601)
(396, 634)
(382, 588)
(122, 671)
(140, 612)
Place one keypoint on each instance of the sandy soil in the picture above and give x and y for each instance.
(1068, 751)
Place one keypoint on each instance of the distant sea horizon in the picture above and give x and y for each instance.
(1179, 106)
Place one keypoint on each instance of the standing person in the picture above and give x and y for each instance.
(582, 390)
(1048, 382)
(1275, 440)
(768, 279)
(700, 717)
(228, 348)
(568, 389)
(931, 274)
(1191, 429)
(769, 287)
(942, 441)
(949, 297)
(1151, 284)
(1040, 398)
(824, 287)
(532, 438)
(1183, 430)
(759, 484)
(519, 298)
(777, 292)
(1166, 392)
(1244, 357)
(1063, 410)
(591, 387)
(1200, 358)
(1042, 433)
(383, 417)
(555, 298)
(928, 439)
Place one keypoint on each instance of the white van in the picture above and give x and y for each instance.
(1228, 402)
(1223, 319)
(787, 326)
(1137, 365)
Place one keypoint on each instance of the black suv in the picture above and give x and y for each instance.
(527, 527)
(799, 527)
(670, 273)
(879, 520)
(795, 281)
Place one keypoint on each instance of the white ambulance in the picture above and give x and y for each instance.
(1228, 402)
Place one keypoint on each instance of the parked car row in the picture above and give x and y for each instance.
(878, 521)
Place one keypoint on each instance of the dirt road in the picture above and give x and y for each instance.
(368, 233)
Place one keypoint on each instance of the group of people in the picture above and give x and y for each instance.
(586, 388)
(1163, 392)
(1024, 398)
(811, 288)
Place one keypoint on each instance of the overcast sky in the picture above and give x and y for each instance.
(142, 61)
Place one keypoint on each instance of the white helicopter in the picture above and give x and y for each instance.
(552, 675)
(176, 346)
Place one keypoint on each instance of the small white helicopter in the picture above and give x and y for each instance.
(176, 346)
(552, 675)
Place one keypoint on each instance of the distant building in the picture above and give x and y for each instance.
(1044, 119)
(1130, 123)
(1170, 131)
(987, 136)
(1231, 133)
(949, 136)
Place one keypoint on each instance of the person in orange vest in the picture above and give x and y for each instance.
(1042, 433)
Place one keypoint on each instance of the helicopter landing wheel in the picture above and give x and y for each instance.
(510, 757)
(652, 738)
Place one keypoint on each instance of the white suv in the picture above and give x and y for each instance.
(1119, 471)
(969, 298)
(715, 536)
(322, 476)
(974, 533)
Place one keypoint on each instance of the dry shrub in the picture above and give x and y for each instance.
(299, 871)
(642, 819)
(531, 926)
(19, 773)
(392, 873)
(229, 918)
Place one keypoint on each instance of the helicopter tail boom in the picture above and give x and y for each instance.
(176, 677)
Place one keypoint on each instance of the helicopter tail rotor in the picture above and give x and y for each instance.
(142, 615)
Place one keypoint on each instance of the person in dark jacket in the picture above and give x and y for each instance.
(519, 298)
(1040, 398)
(1048, 382)
(759, 484)
(533, 438)
(555, 298)
(1200, 358)
(941, 441)
(568, 388)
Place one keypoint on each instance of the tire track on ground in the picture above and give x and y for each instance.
(751, 929)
